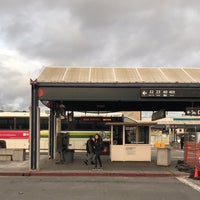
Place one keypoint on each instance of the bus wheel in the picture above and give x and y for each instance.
(2, 144)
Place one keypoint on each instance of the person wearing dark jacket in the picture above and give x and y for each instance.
(97, 150)
(182, 141)
(90, 150)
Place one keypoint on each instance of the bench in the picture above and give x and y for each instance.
(6, 157)
(12, 154)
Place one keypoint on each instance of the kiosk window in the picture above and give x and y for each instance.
(143, 135)
(117, 135)
(130, 135)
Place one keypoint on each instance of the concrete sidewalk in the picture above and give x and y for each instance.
(78, 168)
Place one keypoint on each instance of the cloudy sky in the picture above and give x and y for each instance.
(138, 33)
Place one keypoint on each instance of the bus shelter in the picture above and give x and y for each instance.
(85, 89)
(130, 141)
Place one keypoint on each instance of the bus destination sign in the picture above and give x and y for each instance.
(96, 119)
(170, 92)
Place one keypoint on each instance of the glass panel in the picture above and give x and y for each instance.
(44, 123)
(130, 135)
(7, 123)
(117, 135)
(143, 135)
(22, 123)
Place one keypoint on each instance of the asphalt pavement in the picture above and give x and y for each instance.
(98, 188)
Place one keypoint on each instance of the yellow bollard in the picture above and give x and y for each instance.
(159, 144)
(156, 144)
(163, 144)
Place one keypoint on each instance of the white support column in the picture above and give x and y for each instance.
(111, 135)
(123, 135)
(149, 134)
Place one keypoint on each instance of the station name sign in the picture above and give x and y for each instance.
(170, 92)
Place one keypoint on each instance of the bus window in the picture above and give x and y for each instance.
(80, 125)
(7, 123)
(44, 123)
(22, 123)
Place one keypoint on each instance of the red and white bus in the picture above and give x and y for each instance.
(14, 129)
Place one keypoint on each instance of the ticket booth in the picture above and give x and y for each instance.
(130, 142)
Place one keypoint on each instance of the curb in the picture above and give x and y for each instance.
(99, 173)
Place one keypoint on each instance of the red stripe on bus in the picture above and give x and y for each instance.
(14, 134)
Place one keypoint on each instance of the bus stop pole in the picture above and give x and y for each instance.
(38, 139)
(51, 133)
(33, 125)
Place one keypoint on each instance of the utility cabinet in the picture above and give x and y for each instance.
(163, 156)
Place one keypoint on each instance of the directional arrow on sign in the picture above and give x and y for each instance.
(144, 93)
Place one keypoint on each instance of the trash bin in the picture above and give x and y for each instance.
(68, 156)
(163, 156)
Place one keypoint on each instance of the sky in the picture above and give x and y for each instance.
(128, 33)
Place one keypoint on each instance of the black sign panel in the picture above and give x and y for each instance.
(96, 119)
(192, 111)
(158, 115)
(170, 92)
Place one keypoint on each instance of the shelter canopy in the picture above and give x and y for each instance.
(120, 88)
(119, 75)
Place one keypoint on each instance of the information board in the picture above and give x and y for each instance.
(170, 92)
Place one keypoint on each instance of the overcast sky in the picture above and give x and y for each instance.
(138, 33)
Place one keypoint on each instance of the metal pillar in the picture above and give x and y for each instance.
(34, 126)
(51, 133)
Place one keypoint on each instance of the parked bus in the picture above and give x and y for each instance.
(14, 128)
(82, 127)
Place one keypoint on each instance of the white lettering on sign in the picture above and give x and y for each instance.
(158, 92)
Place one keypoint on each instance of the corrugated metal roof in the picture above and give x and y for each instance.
(119, 75)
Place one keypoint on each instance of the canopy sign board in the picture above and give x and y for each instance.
(158, 115)
(170, 92)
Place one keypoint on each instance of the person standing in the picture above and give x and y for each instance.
(97, 150)
(90, 151)
(182, 141)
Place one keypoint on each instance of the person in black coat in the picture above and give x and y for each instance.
(90, 151)
(182, 141)
(97, 149)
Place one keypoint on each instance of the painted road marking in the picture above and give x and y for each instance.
(192, 185)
